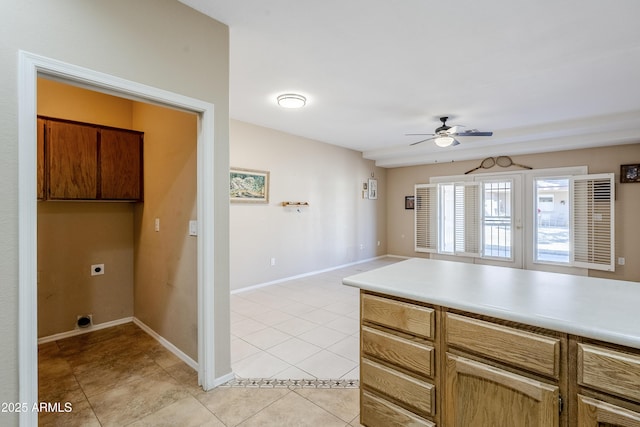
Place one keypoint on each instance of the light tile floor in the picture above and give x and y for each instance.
(123, 377)
(299, 329)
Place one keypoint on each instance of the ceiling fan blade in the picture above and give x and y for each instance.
(455, 142)
(418, 134)
(455, 130)
(473, 133)
(416, 143)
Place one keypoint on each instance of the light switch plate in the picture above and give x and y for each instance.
(193, 228)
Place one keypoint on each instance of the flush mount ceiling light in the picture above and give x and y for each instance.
(444, 141)
(291, 100)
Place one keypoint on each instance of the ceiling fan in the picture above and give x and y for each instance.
(444, 136)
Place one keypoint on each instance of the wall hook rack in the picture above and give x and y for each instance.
(296, 205)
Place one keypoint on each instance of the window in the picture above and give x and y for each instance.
(572, 223)
(497, 219)
(551, 235)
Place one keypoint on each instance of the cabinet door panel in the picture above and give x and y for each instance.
(377, 412)
(120, 165)
(609, 370)
(416, 394)
(410, 318)
(415, 356)
(523, 349)
(73, 161)
(595, 413)
(516, 401)
(40, 151)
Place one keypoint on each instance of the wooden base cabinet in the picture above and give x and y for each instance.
(482, 395)
(596, 413)
(423, 365)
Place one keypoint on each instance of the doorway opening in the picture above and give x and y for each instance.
(30, 68)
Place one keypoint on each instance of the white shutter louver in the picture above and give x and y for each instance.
(426, 217)
(467, 219)
(593, 221)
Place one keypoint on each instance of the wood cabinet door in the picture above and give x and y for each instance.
(72, 161)
(120, 165)
(481, 395)
(40, 154)
(596, 413)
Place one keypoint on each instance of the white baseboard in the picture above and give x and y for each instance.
(166, 344)
(88, 329)
(311, 273)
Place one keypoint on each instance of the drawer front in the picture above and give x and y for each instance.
(411, 392)
(411, 355)
(377, 412)
(410, 318)
(609, 370)
(519, 348)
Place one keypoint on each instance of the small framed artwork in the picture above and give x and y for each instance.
(630, 173)
(373, 188)
(409, 202)
(248, 185)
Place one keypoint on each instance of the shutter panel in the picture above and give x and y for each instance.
(467, 219)
(593, 221)
(426, 217)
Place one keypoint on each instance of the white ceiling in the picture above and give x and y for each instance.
(543, 75)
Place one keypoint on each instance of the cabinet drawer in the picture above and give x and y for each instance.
(412, 355)
(377, 412)
(410, 391)
(522, 349)
(411, 318)
(609, 370)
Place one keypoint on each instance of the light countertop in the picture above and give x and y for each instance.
(602, 309)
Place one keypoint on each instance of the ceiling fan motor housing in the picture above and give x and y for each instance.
(444, 128)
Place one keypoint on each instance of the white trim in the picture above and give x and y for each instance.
(311, 273)
(78, 331)
(166, 344)
(29, 66)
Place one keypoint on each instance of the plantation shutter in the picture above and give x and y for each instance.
(426, 217)
(467, 219)
(593, 221)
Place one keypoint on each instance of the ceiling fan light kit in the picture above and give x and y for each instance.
(445, 141)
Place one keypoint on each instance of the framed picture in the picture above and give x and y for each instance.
(630, 173)
(409, 202)
(373, 188)
(248, 185)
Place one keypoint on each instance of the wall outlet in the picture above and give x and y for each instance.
(156, 224)
(620, 261)
(273, 262)
(97, 269)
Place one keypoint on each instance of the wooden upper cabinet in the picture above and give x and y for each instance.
(40, 154)
(120, 165)
(81, 161)
(72, 155)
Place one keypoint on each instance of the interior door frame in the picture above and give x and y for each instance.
(30, 66)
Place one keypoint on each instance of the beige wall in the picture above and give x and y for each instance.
(160, 43)
(400, 182)
(74, 235)
(165, 289)
(161, 290)
(338, 227)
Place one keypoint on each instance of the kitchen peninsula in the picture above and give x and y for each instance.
(456, 344)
